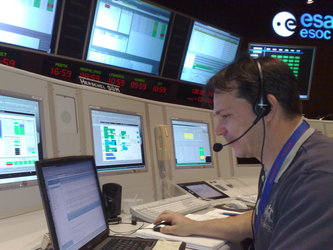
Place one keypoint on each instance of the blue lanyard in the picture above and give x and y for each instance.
(287, 147)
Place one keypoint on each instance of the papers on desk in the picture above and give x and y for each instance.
(194, 242)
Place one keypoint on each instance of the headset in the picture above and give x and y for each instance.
(261, 108)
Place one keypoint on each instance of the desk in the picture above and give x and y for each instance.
(25, 232)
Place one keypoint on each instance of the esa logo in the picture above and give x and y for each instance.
(314, 26)
(284, 24)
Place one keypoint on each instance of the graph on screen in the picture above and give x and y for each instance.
(300, 59)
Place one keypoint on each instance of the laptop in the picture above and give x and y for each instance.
(74, 207)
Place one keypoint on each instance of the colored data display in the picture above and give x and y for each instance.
(300, 59)
(20, 139)
(128, 34)
(191, 143)
(117, 141)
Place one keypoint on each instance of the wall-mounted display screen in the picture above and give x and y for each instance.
(191, 143)
(117, 141)
(20, 139)
(129, 34)
(28, 23)
(209, 49)
(299, 58)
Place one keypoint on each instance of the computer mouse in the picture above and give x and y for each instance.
(236, 204)
(158, 226)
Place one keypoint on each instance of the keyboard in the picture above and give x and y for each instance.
(127, 243)
(183, 204)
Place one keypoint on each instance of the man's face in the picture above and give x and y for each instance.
(234, 117)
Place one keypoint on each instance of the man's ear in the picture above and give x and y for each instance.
(275, 107)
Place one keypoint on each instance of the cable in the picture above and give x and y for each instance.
(260, 180)
(127, 232)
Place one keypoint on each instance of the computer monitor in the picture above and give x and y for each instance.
(20, 139)
(117, 141)
(130, 34)
(209, 49)
(191, 143)
(299, 58)
(30, 24)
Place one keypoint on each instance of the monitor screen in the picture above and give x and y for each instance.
(117, 141)
(191, 143)
(28, 23)
(299, 58)
(129, 34)
(209, 49)
(20, 139)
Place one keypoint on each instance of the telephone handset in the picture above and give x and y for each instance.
(163, 142)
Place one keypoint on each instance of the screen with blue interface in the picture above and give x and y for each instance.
(129, 34)
(28, 23)
(300, 59)
(209, 49)
(117, 141)
(20, 139)
(191, 143)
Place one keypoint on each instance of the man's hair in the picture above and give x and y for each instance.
(243, 75)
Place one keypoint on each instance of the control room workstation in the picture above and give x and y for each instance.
(122, 82)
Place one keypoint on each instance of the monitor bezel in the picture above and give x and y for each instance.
(188, 43)
(163, 53)
(313, 48)
(194, 165)
(110, 169)
(57, 23)
(40, 165)
(11, 177)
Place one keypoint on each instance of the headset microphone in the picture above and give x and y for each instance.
(217, 147)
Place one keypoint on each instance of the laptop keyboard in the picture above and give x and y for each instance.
(129, 243)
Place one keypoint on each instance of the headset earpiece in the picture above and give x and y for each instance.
(261, 107)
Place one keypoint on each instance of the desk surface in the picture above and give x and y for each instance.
(26, 231)
(23, 231)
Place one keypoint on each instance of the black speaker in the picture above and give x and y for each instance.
(112, 197)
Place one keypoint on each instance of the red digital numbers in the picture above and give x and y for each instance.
(90, 76)
(138, 85)
(159, 89)
(8, 62)
(116, 81)
(61, 72)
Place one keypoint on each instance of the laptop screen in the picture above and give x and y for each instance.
(72, 200)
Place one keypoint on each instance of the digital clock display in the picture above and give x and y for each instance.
(139, 84)
(159, 87)
(6, 59)
(116, 79)
(60, 70)
(90, 73)
(64, 72)
(108, 78)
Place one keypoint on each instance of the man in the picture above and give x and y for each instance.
(295, 208)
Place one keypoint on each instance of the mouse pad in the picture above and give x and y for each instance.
(226, 207)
